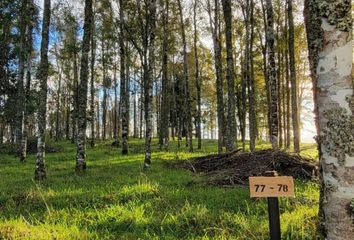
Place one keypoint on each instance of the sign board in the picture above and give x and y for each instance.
(279, 186)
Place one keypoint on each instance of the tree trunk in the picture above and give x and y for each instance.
(57, 113)
(252, 92)
(135, 114)
(215, 29)
(40, 172)
(98, 127)
(92, 82)
(82, 122)
(287, 83)
(272, 77)
(278, 53)
(20, 99)
(330, 56)
(27, 90)
(115, 108)
(67, 114)
(231, 118)
(104, 100)
(166, 88)
(75, 98)
(187, 101)
(148, 80)
(250, 73)
(123, 83)
(197, 79)
(127, 88)
(265, 64)
(294, 97)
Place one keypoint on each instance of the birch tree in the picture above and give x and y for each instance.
(272, 76)
(214, 22)
(40, 171)
(294, 87)
(166, 85)
(83, 86)
(231, 118)
(329, 34)
(187, 101)
(124, 95)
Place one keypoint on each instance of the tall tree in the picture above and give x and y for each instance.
(197, 78)
(187, 101)
(148, 81)
(215, 29)
(40, 172)
(27, 48)
(20, 79)
(165, 106)
(231, 118)
(92, 81)
(124, 95)
(272, 75)
(294, 87)
(251, 85)
(329, 35)
(58, 100)
(106, 82)
(83, 86)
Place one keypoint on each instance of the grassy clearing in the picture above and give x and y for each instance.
(114, 199)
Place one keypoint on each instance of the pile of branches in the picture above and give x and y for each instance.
(235, 167)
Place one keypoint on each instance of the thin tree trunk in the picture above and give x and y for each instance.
(123, 83)
(141, 98)
(29, 49)
(75, 99)
(57, 113)
(251, 92)
(214, 26)
(104, 100)
(197, 79)
(231, 118)
(135, 103)
(92, 82)
(294, 96)
(265, 65)
(127, 88)
(98, 127)
(67, 109)
(148, 80)
(40, 171)
(20, 99)
(272, 77)
(115, 108)
(278, 53)
(165, 107)
(82, 122)
(186, 82)
(287, 83)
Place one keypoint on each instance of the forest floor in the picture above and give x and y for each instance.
(115, 199)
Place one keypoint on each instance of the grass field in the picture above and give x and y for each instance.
(115, 199)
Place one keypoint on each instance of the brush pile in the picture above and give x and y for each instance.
(235, 167)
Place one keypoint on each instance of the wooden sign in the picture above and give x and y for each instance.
(272, 186)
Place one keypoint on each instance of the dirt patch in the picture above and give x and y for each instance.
(235, 167)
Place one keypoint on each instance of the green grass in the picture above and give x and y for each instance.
(115, 199)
